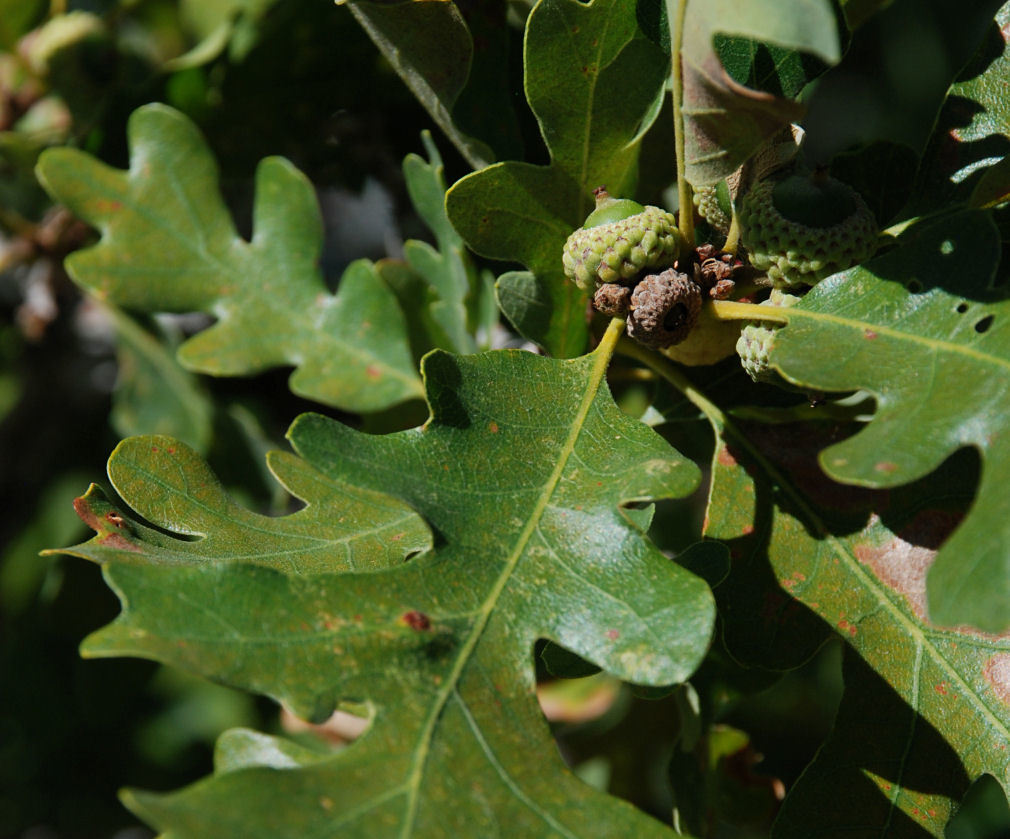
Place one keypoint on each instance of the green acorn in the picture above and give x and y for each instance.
(618, 240)
(802, 229)
(757, 339)
(715, 205)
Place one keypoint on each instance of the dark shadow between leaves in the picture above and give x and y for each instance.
(876, 734)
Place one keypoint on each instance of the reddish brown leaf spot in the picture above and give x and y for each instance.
(747, 529)
(941, 688)
(171, 450)
(902, 562)
(887, 467)
(418, 621)
(326, 803)
(155, 449)
(869, 334)
(105, 206)
(492, 427)
(373, 372)
(725, 458)
(997, 674)
(396, 538)
(613, 634)
(114, 518)
(845, 626)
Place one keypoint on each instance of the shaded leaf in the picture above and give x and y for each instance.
(430, 44)
(895, 76)
(826, 558)
(857, 12)
(725, 122)
(169, 244)
(919, 325)
(884, 768)
(521, 473)
(448, 271)
(16, 18)
(153, 394)
(592, 119)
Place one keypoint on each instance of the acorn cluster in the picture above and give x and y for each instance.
(618, 254)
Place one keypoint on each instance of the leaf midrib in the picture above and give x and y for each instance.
(450, 684)
(899, 335)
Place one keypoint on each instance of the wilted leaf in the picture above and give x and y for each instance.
(169, 244)
(922, 330)
(592, 119)
(520, 472)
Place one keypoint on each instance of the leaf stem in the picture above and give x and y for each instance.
(665, 368)
(675, 11)
(734, 310)
(608, 343)
(733, 236)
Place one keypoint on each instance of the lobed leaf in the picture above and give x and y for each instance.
(521, 473)
(926, 709)
(592, 118)
(915, 327)
(169, 244)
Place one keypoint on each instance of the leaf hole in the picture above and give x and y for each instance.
(915, 286)
(983, 325)
(947, 247)
(962, 308)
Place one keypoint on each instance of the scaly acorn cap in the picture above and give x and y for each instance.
(757, 339)
(664, 309)
(804, 228)
(618, 240)
(715, 205)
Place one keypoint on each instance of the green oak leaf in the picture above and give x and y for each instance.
(829, 558)
(592, 120)
(724, 121)
(448, 271)
(153, 394)
(921, 329)
(16, 18)
(966, 159)
(914, 50)
(520, 472)
(430, 44)
(169, 244)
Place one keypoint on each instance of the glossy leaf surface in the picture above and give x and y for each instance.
(521, 473)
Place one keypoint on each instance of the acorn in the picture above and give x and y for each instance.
(664, 309)
(715, 205)
(618, 240)
(757, 339)
(802, 229)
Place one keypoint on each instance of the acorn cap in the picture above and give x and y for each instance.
(621, 238)
(802, 229)
(664, 309)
